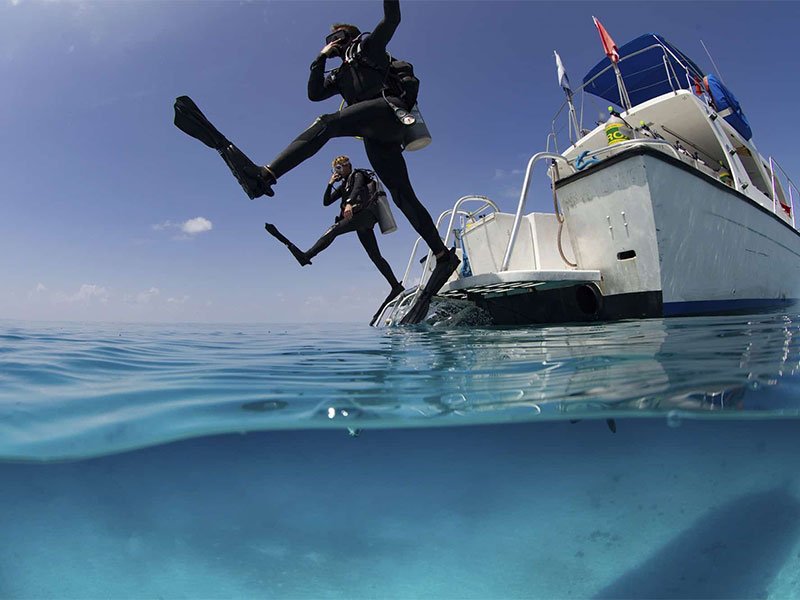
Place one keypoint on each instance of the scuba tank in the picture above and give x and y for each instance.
(385, 217)
(378, 202)
(382, 209)
(617, 130)
(416, 135)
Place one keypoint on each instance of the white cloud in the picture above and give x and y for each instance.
(86, 293)
(189, 228)
(37, 292)
(181, 300)
(196, 225)
(143, 297)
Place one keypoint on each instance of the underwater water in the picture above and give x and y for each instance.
(339, 461)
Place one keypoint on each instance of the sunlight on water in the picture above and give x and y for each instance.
(73, 390)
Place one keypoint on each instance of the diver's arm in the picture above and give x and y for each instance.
(332, 194)
(384, 30)
(319, 86)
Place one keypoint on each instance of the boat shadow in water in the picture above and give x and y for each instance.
(735, 551)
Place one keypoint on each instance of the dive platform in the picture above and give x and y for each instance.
(509, 283)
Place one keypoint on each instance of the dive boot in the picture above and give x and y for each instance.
(299, 255)
(396, 291)
(445, 267)
(255, 181)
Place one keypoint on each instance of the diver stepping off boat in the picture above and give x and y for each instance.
(360, 211)
(381, 97)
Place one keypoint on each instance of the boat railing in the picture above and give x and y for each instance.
(584, 157)
(486, 205)
(778, 191)
(671, 77)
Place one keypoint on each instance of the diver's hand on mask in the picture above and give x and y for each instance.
(334, 178)
(331, 49)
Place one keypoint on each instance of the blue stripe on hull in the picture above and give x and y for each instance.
(673, 309)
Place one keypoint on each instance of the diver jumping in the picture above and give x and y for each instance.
(377, 99)
(358, 212)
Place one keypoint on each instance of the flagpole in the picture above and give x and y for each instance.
(624, 100)
(612, 52)
(573, 117)
(563, 81)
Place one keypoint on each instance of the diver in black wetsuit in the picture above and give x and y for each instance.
(359, 213)
(363, 83)
(378, 95)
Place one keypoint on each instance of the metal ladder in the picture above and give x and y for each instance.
(406, 300)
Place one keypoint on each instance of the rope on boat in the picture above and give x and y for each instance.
(559, 216)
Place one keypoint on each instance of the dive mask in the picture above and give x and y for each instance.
(338, 36)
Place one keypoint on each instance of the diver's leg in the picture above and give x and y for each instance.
(323, 242)
(367, 239)
(357, 119)
(387, 160)
(357, 221)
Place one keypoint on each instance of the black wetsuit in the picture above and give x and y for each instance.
(367, 115)
(355, 192)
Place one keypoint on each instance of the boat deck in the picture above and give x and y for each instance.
(507, 283)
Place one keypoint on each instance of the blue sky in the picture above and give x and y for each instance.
(108, 212)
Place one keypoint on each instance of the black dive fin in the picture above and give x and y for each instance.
(191, 120)
(396, 291)
(299, 255)
(273, 231)
(441, 273)
(419, 311)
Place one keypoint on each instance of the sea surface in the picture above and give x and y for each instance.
(639, 459)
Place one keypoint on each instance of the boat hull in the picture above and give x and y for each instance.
(668, 241)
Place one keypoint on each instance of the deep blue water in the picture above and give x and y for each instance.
(215, 461)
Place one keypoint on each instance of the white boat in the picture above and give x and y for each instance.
(678, 215)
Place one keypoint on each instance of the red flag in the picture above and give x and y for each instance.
(609, 46)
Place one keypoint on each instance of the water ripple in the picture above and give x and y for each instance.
(82, 390)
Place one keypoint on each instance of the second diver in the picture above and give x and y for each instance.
(358, 193)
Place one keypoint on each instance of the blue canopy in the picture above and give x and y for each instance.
(645, 75)
(723, 100)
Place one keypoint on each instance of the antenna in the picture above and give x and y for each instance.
(716, 68)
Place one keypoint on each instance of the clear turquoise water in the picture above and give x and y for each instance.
(126, 472)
